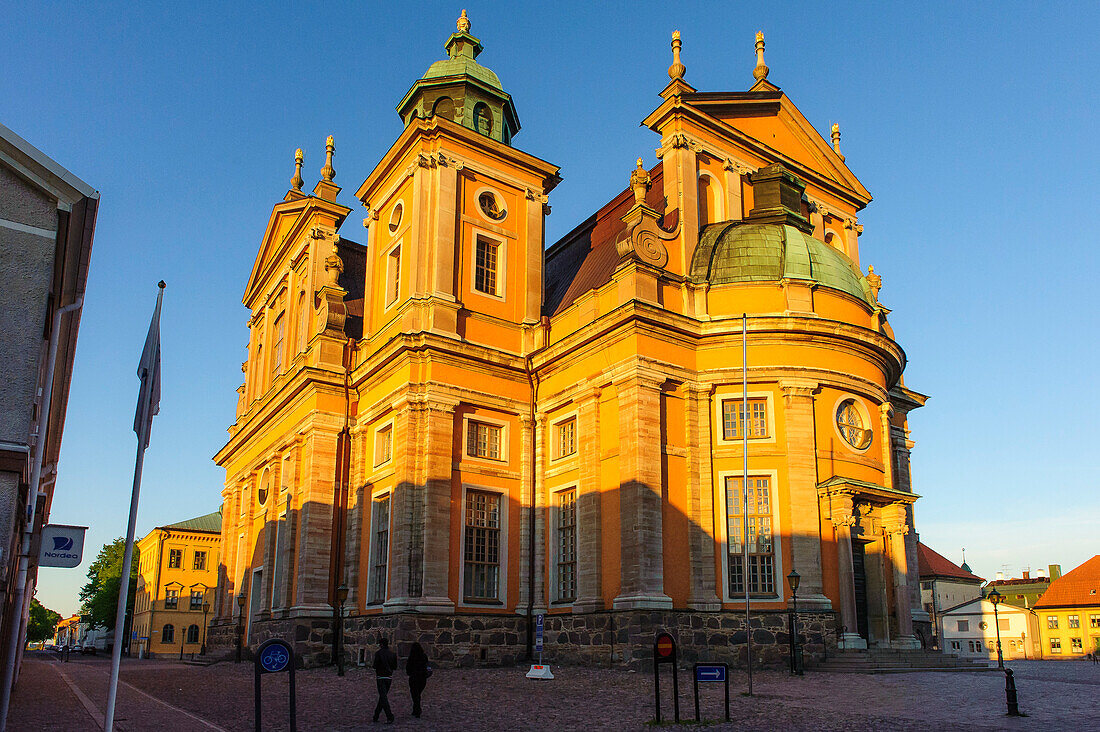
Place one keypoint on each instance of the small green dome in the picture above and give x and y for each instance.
(463, 65)
(736, 251)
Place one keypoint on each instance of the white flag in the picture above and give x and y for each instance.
(149, 372)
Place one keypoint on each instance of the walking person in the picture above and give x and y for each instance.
(385, 663)
(419, 669)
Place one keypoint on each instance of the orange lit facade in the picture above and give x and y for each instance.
(454, 419)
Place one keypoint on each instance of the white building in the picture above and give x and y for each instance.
(970, 630)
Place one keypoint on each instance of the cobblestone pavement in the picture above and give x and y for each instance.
(159, 695)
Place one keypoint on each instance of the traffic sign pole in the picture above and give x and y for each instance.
(272, 657)
(711, 672)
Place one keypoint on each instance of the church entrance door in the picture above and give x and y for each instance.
(859, 580)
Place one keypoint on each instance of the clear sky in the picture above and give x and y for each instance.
(974, 127)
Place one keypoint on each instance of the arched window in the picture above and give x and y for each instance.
(277, 346)
(193, 634)
(258, 372)
(303, 322)
(445, 108)
(710, 202)
(483, 119)
(265, 488)
(168, 633)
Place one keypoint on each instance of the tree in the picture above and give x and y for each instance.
(42, 623)
(99, 597)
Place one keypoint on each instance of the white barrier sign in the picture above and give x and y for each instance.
(62, 546)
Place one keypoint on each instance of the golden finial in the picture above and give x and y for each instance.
(463, 22)
(761, 71)
(296, 181)
(836, 137)
(639, 183)
(328, 172)
(676, 71)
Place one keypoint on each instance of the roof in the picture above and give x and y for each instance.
(984, 607)
(209, 522)
(1019, 581)
(931, 563)
(49, 174)
(1080, 586)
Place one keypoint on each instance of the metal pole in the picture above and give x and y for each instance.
(1000, 659)
(203, 651)
(340, 644)
(745, 483)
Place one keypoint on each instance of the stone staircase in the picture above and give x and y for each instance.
(891, 661)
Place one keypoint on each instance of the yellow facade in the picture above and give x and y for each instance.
(1069, 632)
(177, 576)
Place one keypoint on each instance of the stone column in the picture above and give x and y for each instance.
(702, 589)
(437, 460)
(887, 445)
(894, 520)
(805, 528)
(641, 500)
(843, 517)
(589, 536)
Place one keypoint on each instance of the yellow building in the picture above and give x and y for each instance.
(177, 574)
(459, 424)
(1069, 613)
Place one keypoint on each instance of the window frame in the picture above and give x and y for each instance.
(175, 558)
(278, 344)
(171, 598)
(502, 557)
(1052, 622)
(392, 294)
(1073, 621)
(556, 434)
(556, 546)
(735, 395)
(490, 422)
(1056, 645)
(169, 630)
(722, 540)
(501, 243)
(373, 552)
(188, 636)
(384, 427)
(195, 560)
(859, 403)
(192, 605)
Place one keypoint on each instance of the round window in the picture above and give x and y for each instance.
(395, 217)
(491, 207)
(851, 425)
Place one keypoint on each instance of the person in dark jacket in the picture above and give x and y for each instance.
(418, 669)
(385, 663)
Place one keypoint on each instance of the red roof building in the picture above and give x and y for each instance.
(1079, 587)
(931, 564)
(943, 585)
(1069, 613)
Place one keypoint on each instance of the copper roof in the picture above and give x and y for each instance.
(934, 564)
(1080, 586)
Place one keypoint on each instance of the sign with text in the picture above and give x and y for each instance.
(538, 632)
(62, 546)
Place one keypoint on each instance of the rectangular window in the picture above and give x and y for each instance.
(383, 445)
(481, 553)
(1075, 645)
(171, 599)
(485, 266)
(277, 345)
(760, 544)
(1002, 623)
(1052, 622)
(393, 276)
(956, 646)
(567, 545)
(567, 437)
(1094, 621)
(733, 418)
(175, 558)
(199, 561)
(380, 524)
(1055, 645)
(1074, 621)
(483, 440)
(963, 626)
(926, 585)
(196, 599)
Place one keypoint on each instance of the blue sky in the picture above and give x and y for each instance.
(973, 127)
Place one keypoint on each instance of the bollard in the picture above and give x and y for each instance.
(1010, 695)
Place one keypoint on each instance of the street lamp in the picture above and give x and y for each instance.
(338, 636)
(205, 610)
(796, 666)
(996, 598)
(240, 623)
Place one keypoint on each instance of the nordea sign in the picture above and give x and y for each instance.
(62, 546)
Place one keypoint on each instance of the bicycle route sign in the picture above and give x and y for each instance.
(275, 657)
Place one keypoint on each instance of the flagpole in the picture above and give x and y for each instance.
(745, 483)
(150, 378)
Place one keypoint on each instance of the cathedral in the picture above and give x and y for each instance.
(452, 426)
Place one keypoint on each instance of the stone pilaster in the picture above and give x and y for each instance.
(841, 511)
(641, 502)
(315, 525)
(589, 535)
(734, 183)
(437, 461)
(805, 526)
(895, 522)
(403, 565)
(541, 437)
(702, 588)
(887, 445)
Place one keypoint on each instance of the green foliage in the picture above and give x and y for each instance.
(42, 623)
(99, 597)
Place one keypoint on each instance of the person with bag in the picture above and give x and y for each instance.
(385, 663)
(419, 669)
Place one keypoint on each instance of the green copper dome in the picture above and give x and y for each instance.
(736, 251)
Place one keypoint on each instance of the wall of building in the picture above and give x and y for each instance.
(1077, 632)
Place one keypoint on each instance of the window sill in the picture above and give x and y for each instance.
(483, 603)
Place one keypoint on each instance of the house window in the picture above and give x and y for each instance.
(956, 646)
(1075, 645)
(485, 266)
(1055, 645)
(567, 437)
(760, 544)
(193, 633)
(567, 545)
(926, 585)
(383, 445)
(1052, 622)
(197, 597)
(303, 322)
(1074, 621)
(733, 418)
(171, 599)
(963, 626)
(483, 440)
(175, 558)
(491, 206)
(481, 553)
(1094, 621)
(850, 423)
(381, 549)
(277, 345)
(200, 561)
(168, 633)
(393, 276)
(1002, 623)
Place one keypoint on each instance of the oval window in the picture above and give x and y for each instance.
(490, 206)
(395, 217)
(851, 425)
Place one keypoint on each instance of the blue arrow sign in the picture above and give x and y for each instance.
(710, 673)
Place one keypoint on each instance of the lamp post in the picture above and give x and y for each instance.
(205, 610)
(792, 581)
(995, 598)
(338, 636)
(240, 624)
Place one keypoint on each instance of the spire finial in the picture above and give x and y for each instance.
(676, 71)
(761, 71)
(328, 172)
(463, 23)
(296, 181)
(836, 137)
